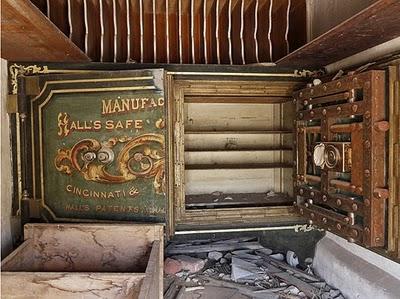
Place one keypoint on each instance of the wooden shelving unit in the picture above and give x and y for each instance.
(243, 148)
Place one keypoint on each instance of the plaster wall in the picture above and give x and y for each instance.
(9, 224)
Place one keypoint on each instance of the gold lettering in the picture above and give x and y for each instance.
(106, 107)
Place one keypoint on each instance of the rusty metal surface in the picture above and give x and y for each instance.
(340, 183)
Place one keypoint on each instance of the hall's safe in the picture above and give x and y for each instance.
(207, 147)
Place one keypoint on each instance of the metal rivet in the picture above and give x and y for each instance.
(338, 84)
(324, 220)
(367, 230)
(301, 93)
(346, 219)
(310, 222)
(324, 198)
(301, 211)
(338, 226)
(338, 202)
(377, 239)
(367, 114)
(312, 193)
(366, 172)
(338, 109)
(323, 111)
(294, 101)
(306, 205)
(324, 87)
(305, 102)
(367, 143)
(301, 191)
(354, 233)
(312, 215)
(354, 206)
(301, 115)
(312, 91)
(312, 113)
(367, 202)
(355, 79)
(354, 108)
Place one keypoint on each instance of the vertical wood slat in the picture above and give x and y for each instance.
(287, 26)
(167, 28)
(85, 13)
(205, 31)
(70, 19)
(230, 31)
(141, 30)
(101, 32)
(128, 32)
(217, 31)
(180, 30)
(241, 31)
(192, 30)
(93, 36)
(256, 30)
(115, 36)
(154, 31)
(271, 3)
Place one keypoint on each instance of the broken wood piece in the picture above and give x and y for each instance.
(171, 250)
(190, 289)
(305, 287)
(245, 290)
(181, 292)
(287, 267)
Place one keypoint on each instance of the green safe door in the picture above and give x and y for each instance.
(97, 146)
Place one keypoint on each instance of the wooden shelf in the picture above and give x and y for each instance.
(240, 132)
(237, 166)
(226, 200)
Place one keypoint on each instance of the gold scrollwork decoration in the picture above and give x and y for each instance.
(18, 69)
(140, 157)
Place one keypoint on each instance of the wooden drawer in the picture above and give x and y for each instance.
(86, 261)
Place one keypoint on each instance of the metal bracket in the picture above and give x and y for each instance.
(17, 69)
(12, 104)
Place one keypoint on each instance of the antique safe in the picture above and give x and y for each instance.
(197, 148)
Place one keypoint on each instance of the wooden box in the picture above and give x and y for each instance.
(86, 261)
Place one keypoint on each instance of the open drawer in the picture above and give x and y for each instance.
(86, 260)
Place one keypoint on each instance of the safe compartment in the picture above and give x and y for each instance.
(88, 260)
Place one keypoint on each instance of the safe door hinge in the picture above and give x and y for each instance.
(32, 87)
(12, 104)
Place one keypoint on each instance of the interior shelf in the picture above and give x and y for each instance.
(238, 166)
(225, 200)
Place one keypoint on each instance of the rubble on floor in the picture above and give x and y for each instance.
(239, 268)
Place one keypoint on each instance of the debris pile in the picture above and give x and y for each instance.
(241, 264)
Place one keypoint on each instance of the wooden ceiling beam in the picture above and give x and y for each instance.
(27, 35)
(372, 26)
